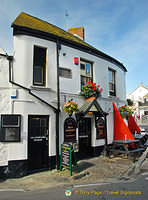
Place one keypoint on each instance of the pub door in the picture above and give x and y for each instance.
(38, 143)
(85, 137)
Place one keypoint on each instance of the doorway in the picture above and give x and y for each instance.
(85, 137)
(38, 143)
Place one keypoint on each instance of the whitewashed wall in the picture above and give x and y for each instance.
(100, 73)
(26, 105)
(23, 61)
(5, 101)
(23, 104)
(70, 88)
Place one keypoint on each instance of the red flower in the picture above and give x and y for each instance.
(89, 81)
(98, 86)
(94, 88)
(92, 84)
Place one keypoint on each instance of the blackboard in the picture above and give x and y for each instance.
(66, 155)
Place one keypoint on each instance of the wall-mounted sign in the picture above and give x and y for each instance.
(76, 60)
(100, 128)
(70, 130)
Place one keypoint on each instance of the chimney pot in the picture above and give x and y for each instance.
(78, 31)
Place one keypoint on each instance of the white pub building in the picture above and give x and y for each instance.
(47, 69)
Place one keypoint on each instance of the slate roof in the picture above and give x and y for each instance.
(30, 24)
(25, 20)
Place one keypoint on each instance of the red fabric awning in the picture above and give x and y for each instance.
(132, 125)
(121, 131)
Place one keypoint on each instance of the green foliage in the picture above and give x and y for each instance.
(71, 107)
(125, 111)
(91, 90)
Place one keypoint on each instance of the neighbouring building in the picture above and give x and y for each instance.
(140, 101)
(47, 69)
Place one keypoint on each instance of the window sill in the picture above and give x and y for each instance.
(36, 87)
(100, 138)
(113, 97)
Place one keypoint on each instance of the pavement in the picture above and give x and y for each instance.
(94, 170)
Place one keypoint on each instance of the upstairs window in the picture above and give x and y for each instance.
(39, 66)
(111, 81)
(85, 72)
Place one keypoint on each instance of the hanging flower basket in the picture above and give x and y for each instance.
(91, 90)
(125, 111)
(71, 107)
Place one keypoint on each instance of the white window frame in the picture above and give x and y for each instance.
(83, 72)
(112, 81)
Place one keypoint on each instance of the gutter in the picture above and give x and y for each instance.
(48, 36)
(5, 55)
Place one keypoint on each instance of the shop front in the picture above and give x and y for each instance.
(92, 129)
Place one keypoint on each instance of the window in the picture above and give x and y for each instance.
(39, 66)
(65, 73)
(10, 128)
(85, 72)
(111, 81)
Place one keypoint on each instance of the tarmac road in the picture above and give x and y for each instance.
(128, 190)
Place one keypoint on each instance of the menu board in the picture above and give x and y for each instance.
(70, 130)
(66, 155)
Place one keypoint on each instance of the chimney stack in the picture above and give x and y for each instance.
(78, 31)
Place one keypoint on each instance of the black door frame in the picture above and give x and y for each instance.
(45, 139)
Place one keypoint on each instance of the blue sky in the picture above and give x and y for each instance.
(119, 28)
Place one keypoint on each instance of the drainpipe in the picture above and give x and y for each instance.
(58, 46)
(56, 110)
(10, 58)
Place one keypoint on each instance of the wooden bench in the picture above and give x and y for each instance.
(135, 153)
(120, 147)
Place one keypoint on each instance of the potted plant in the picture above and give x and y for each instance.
(71, 107)
(91, 90)
(125, 111)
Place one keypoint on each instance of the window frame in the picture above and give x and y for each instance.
(8, 129)
(43, 68)
(113, 83)
(83, 72)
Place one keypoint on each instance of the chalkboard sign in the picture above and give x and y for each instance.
(70, 130)
(66, 154)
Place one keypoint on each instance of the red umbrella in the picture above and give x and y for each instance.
(132, 125)
(121, 131)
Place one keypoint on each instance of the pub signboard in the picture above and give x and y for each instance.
(100, 126)
(70, 130)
